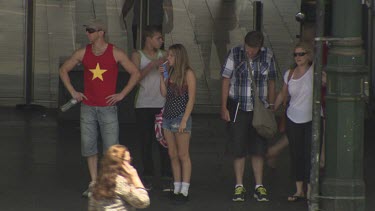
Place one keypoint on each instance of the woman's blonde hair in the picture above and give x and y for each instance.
(181, 66)
(306, 46)
(111, 167)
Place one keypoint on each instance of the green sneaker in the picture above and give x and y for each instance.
(239, 194)
(261, 194)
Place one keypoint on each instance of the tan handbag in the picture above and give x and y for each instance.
(264, 120)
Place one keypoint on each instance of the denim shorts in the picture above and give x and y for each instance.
(173, 124)
(93, 119)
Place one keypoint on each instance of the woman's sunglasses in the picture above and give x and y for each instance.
(299, 54)
(91, 30)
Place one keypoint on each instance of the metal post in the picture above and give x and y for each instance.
(143, 20)
(29, 60)
(140, 25)
(258, 15)
(147, 12)
(371, 54)
(29, 50)
(316, 133)
(343, 186)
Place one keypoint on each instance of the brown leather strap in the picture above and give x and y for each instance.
(290, 74)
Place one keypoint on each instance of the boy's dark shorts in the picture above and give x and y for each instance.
(243, 139)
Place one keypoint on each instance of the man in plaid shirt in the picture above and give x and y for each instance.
(243, 60)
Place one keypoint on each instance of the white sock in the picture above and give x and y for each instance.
(185, 188)
(177, 187)
(238, 185)
(257, 186)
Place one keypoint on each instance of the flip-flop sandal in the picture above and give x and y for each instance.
(295, 198)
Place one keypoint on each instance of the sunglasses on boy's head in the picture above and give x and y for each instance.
(91, 30)
(299, 54)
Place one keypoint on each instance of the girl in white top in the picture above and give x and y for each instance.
(300, 89)
(299, 113)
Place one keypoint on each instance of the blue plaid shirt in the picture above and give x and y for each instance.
(236, 68)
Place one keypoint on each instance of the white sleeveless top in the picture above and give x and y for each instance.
(149, 90)
(301, 95)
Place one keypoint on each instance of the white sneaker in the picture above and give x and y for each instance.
(167, 184)
(86, 193)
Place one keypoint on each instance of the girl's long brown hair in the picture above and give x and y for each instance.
(181, 65)
(111, 167)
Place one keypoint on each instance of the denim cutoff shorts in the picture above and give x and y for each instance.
(173, 124)
(93, 119)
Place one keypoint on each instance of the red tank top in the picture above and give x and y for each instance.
(100, 76)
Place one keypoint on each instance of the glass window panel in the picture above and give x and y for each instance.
(208, 29)
(12, 49)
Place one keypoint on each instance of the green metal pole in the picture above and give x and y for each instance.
(316, 133)
(343, 187)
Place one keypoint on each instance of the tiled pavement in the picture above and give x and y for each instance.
(42, 169)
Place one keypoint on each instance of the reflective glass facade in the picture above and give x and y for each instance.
(208, 28)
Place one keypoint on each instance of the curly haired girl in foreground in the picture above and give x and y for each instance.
(118, 186)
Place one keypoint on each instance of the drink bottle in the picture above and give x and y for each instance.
(165, 73)
(68, 105)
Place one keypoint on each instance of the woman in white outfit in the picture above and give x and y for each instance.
(299, 117)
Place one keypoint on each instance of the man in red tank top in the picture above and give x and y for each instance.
(100, 60)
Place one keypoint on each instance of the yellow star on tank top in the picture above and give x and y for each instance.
(97, 72)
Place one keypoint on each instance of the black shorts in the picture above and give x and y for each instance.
(243, 139)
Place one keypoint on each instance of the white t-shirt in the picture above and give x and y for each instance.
(149, 95)
(301, 94)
